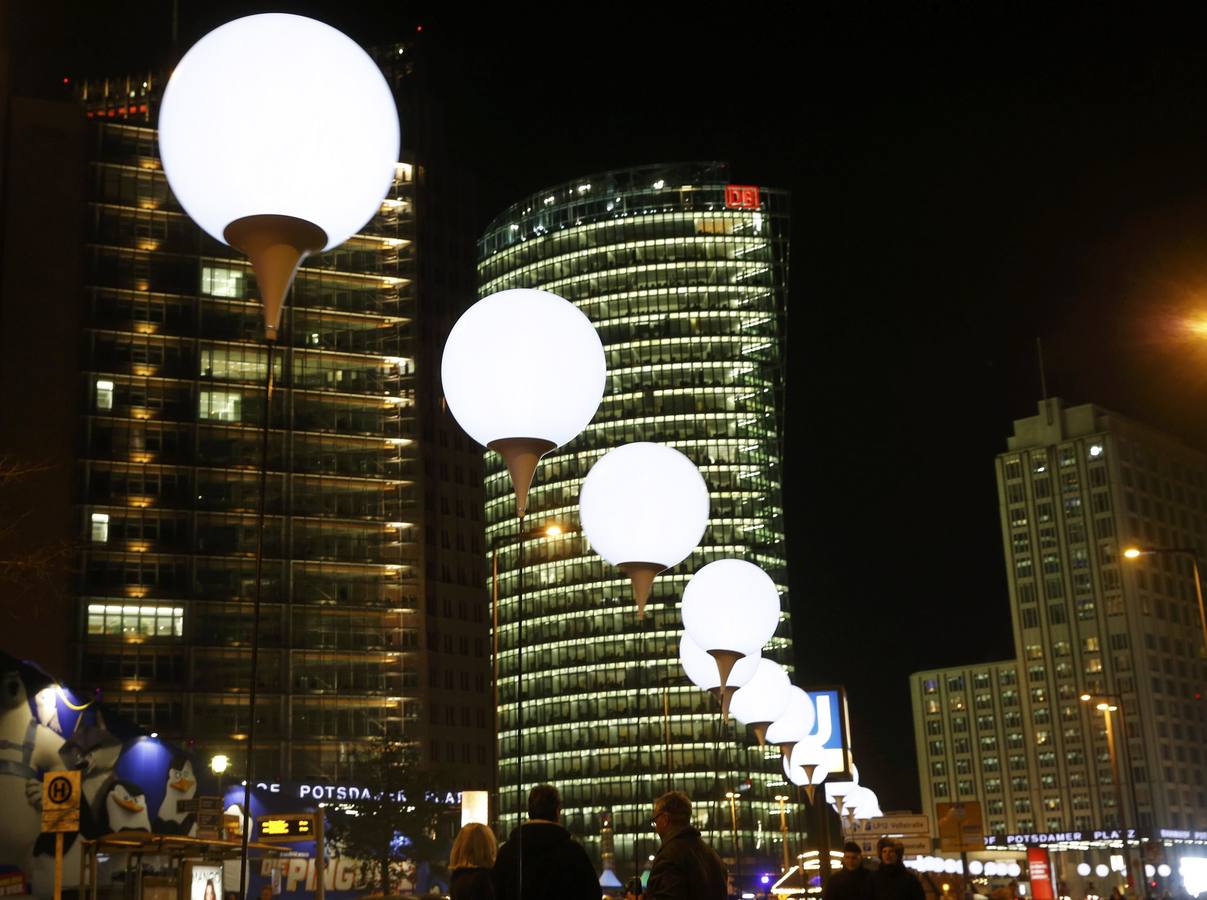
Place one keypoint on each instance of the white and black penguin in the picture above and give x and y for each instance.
(182, 785)
(126, 808)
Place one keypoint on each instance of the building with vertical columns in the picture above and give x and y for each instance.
(685, 277)
(1077, 486)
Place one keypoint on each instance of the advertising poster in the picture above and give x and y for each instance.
(1039, 866)
(205, 883)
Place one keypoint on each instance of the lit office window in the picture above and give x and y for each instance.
(131, 621)
(221, 406)
(219, 281)
(100, 528)
(104, 394)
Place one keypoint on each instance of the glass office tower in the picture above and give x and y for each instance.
(685, 276)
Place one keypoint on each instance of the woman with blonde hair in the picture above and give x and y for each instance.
(471, 861)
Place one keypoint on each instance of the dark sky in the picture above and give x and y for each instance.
(964, 181)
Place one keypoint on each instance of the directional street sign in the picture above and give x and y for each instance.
(892, 825)
(915, 845)
(61, 801)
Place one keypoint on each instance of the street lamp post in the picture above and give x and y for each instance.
(783, 799)
(732, 797)
(1192, 555)
(1108, 704)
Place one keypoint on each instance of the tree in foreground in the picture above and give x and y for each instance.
(403, 822)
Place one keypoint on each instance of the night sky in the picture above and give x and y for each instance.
(964, 181)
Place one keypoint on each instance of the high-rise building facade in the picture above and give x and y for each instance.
(360, 594)
(1078, 486)
(685, 277)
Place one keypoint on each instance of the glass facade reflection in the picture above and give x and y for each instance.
(686, 281)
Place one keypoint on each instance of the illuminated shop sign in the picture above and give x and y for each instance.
(1182, 834)
(346, 792)
(1042, 839)
(741, 196)
(286, 828)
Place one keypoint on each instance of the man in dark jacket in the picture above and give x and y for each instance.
(553, 866)
(685, 867)
(853, 881)
(892, 881)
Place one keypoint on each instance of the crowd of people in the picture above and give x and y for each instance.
(540, 861)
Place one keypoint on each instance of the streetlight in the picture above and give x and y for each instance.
(732, 797)
(1135, 553)
(1107, 704)
(644, 508)
(783, 799)
(276, 183)
(219, 763)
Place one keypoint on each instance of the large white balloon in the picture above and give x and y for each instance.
(731, 605)
(701, 669)
(523, 364)
(278, 114)
(644, 502)
(795, 722)
(763, 697)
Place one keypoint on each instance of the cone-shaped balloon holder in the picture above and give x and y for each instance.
(641, 576)
(276, 246)
(521, 456)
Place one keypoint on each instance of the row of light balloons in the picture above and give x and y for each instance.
(523, 370)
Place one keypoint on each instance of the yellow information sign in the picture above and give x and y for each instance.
(61, 801)
(287, 827)
(960, 827)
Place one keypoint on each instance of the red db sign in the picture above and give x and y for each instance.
(741, 196)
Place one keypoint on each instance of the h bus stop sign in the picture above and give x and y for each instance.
(61, 801)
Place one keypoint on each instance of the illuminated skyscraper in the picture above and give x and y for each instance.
(374, 611)
(685, 277)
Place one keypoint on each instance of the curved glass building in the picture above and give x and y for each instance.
(685, 276)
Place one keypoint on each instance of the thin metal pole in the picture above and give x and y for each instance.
(520, 707)
(249, 769)
(494, 658)
(1198, 592)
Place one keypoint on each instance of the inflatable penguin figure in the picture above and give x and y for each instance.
(126, 808)
(27, 748)
(181, 786)
(95, 751)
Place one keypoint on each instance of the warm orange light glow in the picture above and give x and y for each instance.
(1086, 698)
(553, 530)
(1132, 553)
(1197, 326)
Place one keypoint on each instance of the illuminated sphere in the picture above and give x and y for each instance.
(644, 502)
(795, 722)
(763, 697)
(1101, 870)
(1083, 869)
(701, 669)
(523, 363)
(731, 605)
(805, 753)
(279, 114)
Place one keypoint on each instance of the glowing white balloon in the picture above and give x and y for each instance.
(795, 723)
(279, 136)
(806, 765)
(731, 608)
(644, 507)
(763, 697)
(701, 669)
(523, 372)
